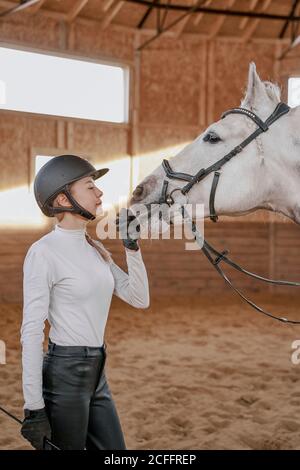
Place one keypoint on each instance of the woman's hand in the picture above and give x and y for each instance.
(129, 228)
(36, 427)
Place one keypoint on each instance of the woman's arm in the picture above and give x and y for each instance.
(36, 294)
(133, 287)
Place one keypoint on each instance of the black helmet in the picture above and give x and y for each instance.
(54, 178)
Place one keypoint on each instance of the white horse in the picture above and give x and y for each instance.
(265, 175)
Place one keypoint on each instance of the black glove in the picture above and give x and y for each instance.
(36, 427)
(129, 228)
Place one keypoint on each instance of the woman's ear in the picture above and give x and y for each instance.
(61, 200)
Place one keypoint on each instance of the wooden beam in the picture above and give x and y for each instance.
(36, 7)
(217, 11)
(110, 14)
(244, 21)
(203, 75)
(199, 16)
(61, 134)
(220, 21)
(146, 15)
(287, 22)
(253, 24)
(43, 12)
(181, 25)
(210, 82)
(171, 25)
(107, 4)
(76, 9)
(193, 37)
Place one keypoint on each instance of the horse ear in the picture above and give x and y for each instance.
(256, 92)
(260, 96)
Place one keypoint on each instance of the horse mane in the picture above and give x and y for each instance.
(272, 89)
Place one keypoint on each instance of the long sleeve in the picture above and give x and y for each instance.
(36, 294)
(133, 287)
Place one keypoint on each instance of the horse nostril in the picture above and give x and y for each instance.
(138, 191)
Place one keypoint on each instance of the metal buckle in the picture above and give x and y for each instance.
(220, 257)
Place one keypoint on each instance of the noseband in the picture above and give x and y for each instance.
(263, 126)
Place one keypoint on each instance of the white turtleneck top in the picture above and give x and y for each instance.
(67, 282)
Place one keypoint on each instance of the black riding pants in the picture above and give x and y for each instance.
(78, 401)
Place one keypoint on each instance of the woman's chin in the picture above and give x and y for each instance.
(98, 211)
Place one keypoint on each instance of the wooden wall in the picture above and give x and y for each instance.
(177, 88)
(271, 250)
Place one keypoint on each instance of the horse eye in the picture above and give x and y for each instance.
(212, 138)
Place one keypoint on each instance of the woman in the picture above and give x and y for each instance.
(69, 279)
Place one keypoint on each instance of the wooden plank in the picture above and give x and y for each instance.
(106, 4)
(200, 16)
(220, 21)
(37, 7)
(29, 11)
(76, 9)
(244, 21)
(110, 14)
(255, 22)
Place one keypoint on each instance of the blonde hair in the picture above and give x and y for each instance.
(103, 252)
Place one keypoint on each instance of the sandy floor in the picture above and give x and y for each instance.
(199, 373)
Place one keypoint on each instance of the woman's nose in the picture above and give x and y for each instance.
(99, 193)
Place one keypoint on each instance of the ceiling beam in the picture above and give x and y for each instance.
(30, 10)
(287, 22)
(107, 4)
(170, 25)
(181, 25)
(199, 16)
(17, 7)
(220, 21)
(254, 23)
(36, 7)
(76, 9)
(244, 21)
(216, 11)
(110, 14)
(146, 15)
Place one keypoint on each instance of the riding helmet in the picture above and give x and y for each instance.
(56, 176)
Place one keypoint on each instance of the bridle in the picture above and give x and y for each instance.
(263, 126)
(215, 257)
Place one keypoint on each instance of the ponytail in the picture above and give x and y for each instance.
(103, 252)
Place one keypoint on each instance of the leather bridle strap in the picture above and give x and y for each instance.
(215, 258)
(212, 211)
(175, 174)
(279, 111)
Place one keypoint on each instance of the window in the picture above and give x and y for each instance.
(294, 92)
(2, 92)
(47, 84)
(40, 160)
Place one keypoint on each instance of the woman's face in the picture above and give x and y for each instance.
(86, 194)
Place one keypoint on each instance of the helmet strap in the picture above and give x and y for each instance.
(75, 209)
